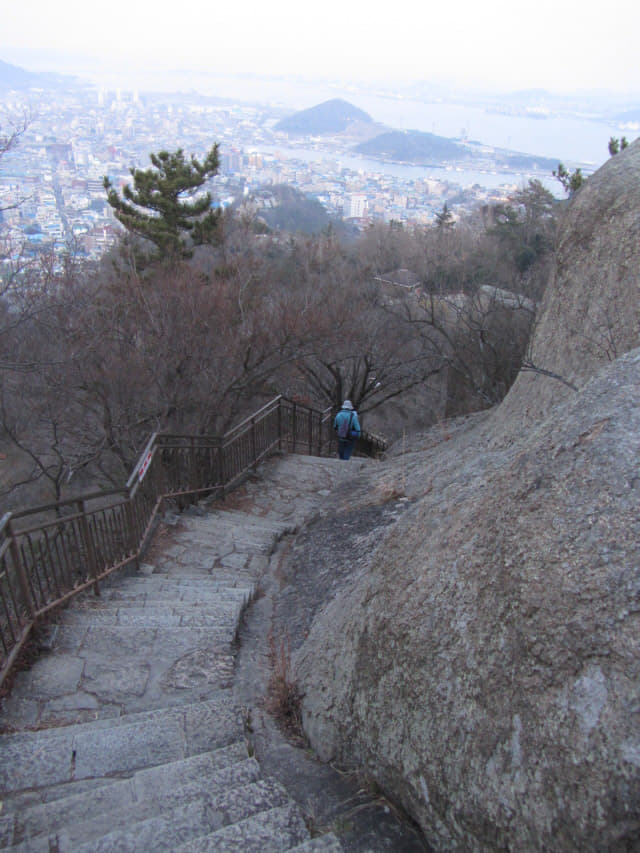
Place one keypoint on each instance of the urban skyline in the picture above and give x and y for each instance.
(51, 183)
(51, 186)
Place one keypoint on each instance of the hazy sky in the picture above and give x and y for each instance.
(561, 45)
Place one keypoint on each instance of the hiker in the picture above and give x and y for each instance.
(347, 426)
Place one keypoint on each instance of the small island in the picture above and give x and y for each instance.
(412, 146)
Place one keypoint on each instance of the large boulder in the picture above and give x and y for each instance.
(590, 312)
(482, 663)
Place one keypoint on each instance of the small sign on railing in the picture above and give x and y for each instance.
(142, 470)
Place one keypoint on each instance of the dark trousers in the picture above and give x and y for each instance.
(345, 447)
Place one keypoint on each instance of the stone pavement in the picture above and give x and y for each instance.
(126, 734)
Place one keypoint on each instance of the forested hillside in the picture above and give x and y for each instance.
(195, 328)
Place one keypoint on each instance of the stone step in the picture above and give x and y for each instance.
(224, 534)
(228, 576)
(176, 616)
(221, 534)
(161, 593)
(99, 671)
(177, 777)
(174, 826)
(233, 570)
(90, 815)
(211, 576)
(184, 579)
(221, 530)
(130, 638)
(328, 843)
(105, 689)
(199, 585)
(118, 745)
(192, 554)
(164, 590)
(220, 518)
(32, 808)
(210, 600)
(272, 831)
(205, 552)
(202, 557)
(194, 575)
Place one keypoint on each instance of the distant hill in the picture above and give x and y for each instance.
(332, 116)
(412, 146)
(15, 77)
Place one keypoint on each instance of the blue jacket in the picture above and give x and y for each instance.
(355, 423)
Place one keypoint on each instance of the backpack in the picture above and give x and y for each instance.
(344, 426)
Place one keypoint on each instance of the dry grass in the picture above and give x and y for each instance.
(389, 490)
(284, 699)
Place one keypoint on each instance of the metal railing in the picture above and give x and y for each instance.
(50, 553)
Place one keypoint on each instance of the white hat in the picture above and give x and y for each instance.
(347, 405)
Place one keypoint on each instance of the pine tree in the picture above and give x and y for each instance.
(571, 181)
(617, 145)
(162, 208)
(444, 219)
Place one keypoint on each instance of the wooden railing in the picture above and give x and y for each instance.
(52, 552)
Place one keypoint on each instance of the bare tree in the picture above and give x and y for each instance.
(348, 345)
(94, 359)
(14, 128)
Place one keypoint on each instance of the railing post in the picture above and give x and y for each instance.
(132, 539)
(20, 572)
(295, 427)
(280, 425)
(88, 543)
(254, 447)
(195, 468)
(221, 467)
(310, 428)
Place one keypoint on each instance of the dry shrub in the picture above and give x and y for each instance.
(284, 699)
(389, 492)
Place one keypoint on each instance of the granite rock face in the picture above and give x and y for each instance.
(482, 662)
(590, 314)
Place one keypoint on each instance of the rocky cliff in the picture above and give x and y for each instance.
(591, 309)
(481, 657)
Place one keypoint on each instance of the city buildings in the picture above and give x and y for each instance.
(51, 183)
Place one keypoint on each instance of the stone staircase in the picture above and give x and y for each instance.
(124, 735)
